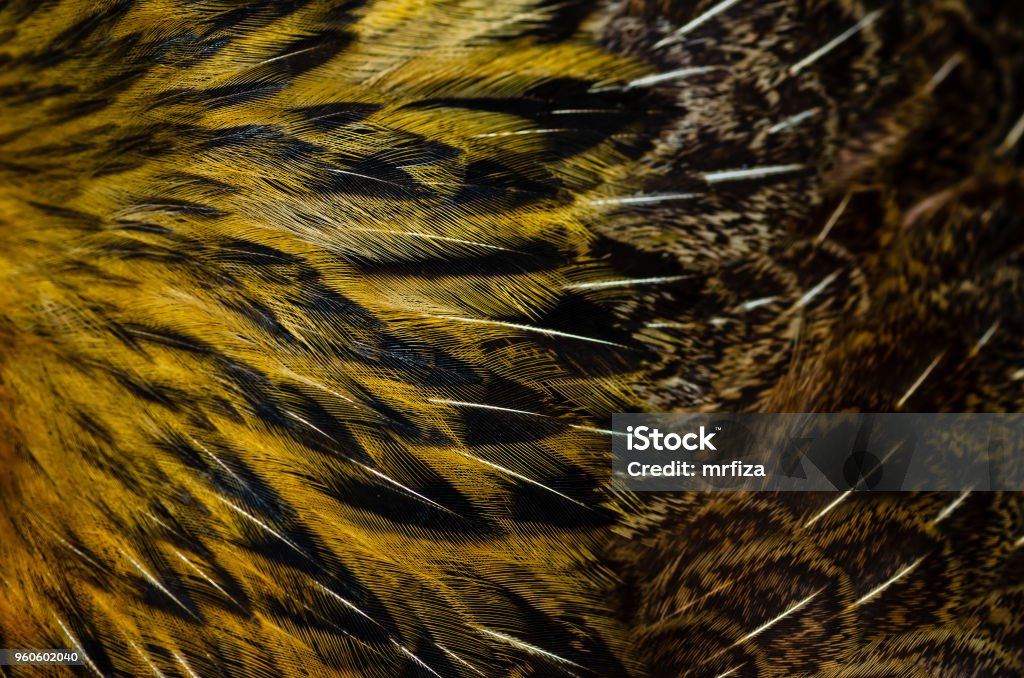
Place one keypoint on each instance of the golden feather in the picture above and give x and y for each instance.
(313, 316)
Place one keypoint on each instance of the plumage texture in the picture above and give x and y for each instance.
(313, 314)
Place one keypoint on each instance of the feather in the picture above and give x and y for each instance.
(313, 316)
